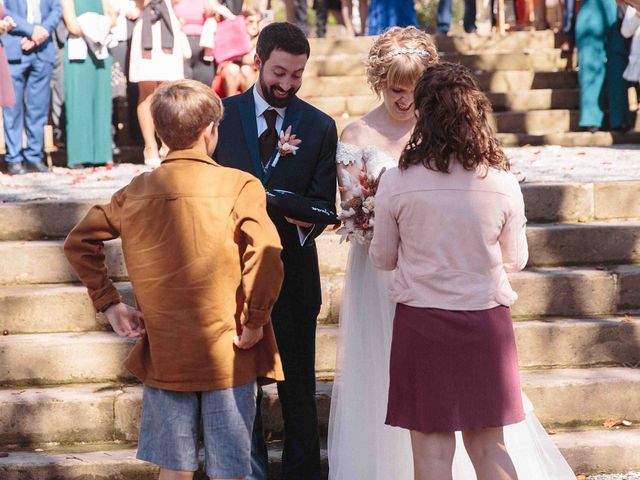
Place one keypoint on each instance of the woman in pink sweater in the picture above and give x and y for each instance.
(450, 221)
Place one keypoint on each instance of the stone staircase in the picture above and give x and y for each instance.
(64, 392)
(532, 86)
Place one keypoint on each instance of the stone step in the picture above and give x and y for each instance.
(549, 245)
(587, 451)
(94, 357)
(495, 82)
(543, 292)
(537, 122)
(545, 202)
(536, 60)
(542, 99)
(107, 412)
(512, 42)
(590, 243)
(570, 139)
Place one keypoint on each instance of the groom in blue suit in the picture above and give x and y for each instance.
(248, 139)
(31, 55)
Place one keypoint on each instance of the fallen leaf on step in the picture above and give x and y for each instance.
(627, 319)
(551, 432)
(612, 422)
(38, 450)
(581, 477)
(627, 423)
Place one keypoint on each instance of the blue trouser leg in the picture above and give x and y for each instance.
(37, 98)
(444, 16)
(13, 117)
(259, 455)
(469, 20)
(568, 7)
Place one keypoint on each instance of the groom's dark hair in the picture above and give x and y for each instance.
(282, 36)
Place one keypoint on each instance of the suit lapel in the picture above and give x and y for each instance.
(292, 118)
(250, 128)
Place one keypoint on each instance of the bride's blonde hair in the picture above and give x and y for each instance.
(398, 58)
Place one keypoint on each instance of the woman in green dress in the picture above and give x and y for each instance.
(602, 58)
(87, 90)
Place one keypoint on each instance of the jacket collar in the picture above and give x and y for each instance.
(189, 154)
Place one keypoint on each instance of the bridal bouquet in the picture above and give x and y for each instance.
(358, 215)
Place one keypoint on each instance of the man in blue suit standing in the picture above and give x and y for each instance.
(249, 141)
(31, 55)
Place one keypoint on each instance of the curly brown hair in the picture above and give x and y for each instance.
(453, 123)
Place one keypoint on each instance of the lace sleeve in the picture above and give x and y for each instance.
(349, 165)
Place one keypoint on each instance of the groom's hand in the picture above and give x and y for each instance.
(125, 320)
(248, 338)
(299, 223)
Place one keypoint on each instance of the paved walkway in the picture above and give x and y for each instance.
(532, 164)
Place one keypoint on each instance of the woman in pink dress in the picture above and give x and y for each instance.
(7, 97)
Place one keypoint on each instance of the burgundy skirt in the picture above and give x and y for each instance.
(453, 370)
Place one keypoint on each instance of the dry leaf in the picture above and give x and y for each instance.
(581, 477)
(551, 432)
(627, 319)
(612, 422)
(627, 423)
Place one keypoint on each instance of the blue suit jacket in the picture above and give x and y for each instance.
(311, 173)
(51, 12)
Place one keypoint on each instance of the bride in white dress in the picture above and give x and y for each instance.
(361, 446)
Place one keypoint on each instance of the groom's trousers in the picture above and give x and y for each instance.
(294, 320)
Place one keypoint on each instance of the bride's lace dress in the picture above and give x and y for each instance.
(361, 446)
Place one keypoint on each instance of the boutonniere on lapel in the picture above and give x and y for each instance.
(287, 144)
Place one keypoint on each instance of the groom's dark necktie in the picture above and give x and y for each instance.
(269, 137)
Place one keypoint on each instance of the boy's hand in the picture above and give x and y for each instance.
(125, 320)
(248, 338)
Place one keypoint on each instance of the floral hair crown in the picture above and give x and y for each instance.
(407, 51)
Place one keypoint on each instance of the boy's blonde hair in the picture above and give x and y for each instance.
(398, 58)
(182, 109)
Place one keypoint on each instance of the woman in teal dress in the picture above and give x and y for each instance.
(87, 90)
(602, 58)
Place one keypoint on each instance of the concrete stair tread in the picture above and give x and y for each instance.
(109, 412)
(547, 202)
(541, 99)
(496, 82)
(538, 60)
(97, 356)
(462, 43)
(544, 291)
(587, 451)
(570, 139)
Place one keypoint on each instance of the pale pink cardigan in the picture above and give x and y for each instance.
(450, 237)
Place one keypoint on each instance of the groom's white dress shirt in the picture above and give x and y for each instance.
(261, 107)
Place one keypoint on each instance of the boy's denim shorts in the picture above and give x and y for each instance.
(172, 421)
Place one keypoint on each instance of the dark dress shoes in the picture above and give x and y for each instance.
(15, 168)
(37, 167)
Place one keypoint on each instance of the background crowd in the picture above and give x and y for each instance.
(105, 58)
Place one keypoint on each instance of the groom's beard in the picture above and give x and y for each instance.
(270, 97)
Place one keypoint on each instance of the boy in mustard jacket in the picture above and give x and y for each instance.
(204, 261)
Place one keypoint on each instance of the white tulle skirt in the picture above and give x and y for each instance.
(360, 445)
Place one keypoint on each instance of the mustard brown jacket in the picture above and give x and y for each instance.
(203, 258)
